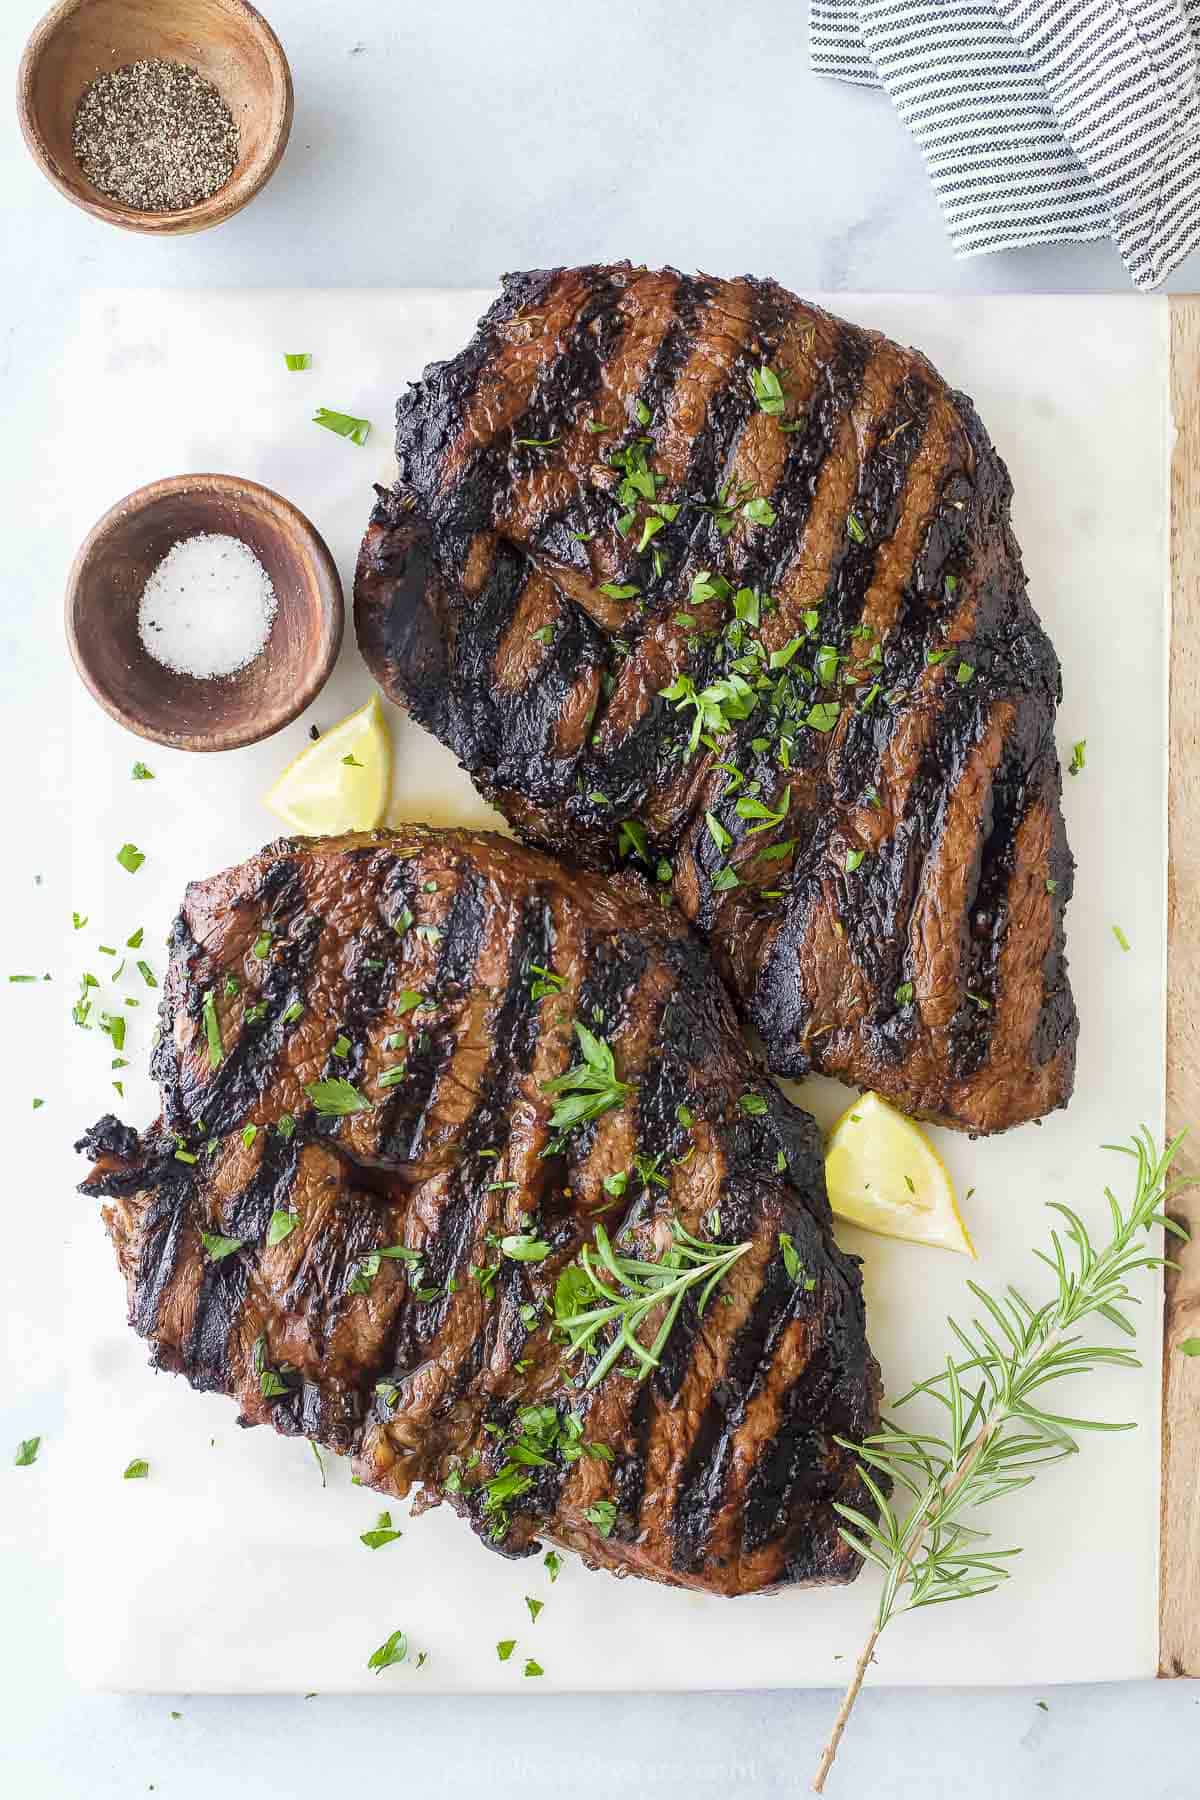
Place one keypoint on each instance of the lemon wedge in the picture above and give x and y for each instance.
(883, 1173)
(340, 783)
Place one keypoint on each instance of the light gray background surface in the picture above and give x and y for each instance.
(439, 146)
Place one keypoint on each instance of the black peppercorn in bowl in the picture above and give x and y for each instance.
(86, 50)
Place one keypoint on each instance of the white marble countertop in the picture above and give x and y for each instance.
(437, 146)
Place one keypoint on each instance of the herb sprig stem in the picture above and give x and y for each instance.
(998, 1435)
(606, 1289)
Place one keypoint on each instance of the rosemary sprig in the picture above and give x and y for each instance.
(999, 1433)
(604, 1288)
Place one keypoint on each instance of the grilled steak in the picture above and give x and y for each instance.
(385, 1279)
(690, 571)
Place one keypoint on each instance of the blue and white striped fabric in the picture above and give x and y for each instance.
(1041, 121)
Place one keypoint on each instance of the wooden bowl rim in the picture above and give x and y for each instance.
(219, 206)
(313, 547)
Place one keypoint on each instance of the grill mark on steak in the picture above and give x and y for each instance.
(219, 1304)
(569, 747)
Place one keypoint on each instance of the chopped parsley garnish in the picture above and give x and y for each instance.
(723, 880)
(292, 1013)
(335, 1098)
(393, 1650)
(603, 1515)
(505, 1648)
(754, 1105)
(547, 982)
(282, 1226)
(620, 590)
(631, 839)
(27, 1452)
(855, 528)
(522, 1247)
(535, 1607)
(538, 443)
(341, 1046)
(767, 390)
(212, 1031)
(383, 1533)
(1120, 937)
(904, 993)
(141, 772)
(1078, 757)
(966, 673)
(533, 1668)
(717, 832)
(79, 920)
(793, 1267)
(130, 857)
(137, 1470)
(854, 860)
(553, 1562)
(261, 946)
(352, 762)
(408, 1000)
(759, 512)
(590, 1089)
(296, 360)
(217, 1248)
(1051, 885)
(824, 715)
(344, 424)
(146, 972)
(249, 1133)
(134, 941)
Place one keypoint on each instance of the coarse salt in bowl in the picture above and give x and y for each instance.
(218, 682)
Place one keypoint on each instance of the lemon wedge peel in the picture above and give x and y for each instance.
(883, 1174)
(322, 793)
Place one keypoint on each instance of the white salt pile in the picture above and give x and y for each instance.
(207, 608)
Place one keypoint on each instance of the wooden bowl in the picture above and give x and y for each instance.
(105, 585)
(226, 40)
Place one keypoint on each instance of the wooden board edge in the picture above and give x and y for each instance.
(1179, 1584)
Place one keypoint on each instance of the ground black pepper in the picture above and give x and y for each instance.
(155, 135)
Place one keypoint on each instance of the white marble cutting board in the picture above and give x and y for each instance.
(232, 1568)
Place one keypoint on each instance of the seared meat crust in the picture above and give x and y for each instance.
(465, 961)
(892, 912)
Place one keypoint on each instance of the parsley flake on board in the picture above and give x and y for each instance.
(383, 1533)
(296, 360)
(27, 1452)
(344, 424)
(505, 1648)
(553, 1560)
(142, 773)
(137, 1470)
(130, 857)
(533, 1668)
(393, 1650)
(1078, 757)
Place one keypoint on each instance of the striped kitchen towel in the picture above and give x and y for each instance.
(1041, 121)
